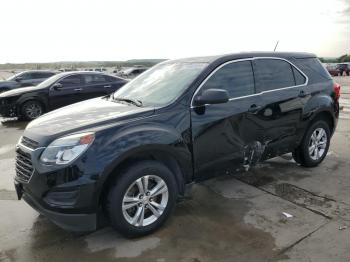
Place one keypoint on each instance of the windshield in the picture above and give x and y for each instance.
(161, 84)
(14, 76)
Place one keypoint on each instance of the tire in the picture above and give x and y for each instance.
(314, 146)
(122, 211)
(31, 110)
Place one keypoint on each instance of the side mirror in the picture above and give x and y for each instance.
(57, 86)
(212, 96)
(19, 79)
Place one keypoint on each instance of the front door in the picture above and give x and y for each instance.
(69, 92)
(227, 136)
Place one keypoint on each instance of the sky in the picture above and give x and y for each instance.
(110, 30)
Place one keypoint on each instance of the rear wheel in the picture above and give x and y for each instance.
(141, 198)
(32, 109)
(314, 147)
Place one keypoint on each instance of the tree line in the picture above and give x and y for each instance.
(341, 59)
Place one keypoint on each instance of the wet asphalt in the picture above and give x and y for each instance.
(231, 218)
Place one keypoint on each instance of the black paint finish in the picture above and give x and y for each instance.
(195, 142)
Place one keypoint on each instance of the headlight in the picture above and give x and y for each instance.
(65, 149)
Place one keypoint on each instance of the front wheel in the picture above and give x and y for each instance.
(32, 109)
(314, 147)
(141, 198)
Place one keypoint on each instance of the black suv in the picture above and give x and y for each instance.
(57, 91)
(130, 155)
(26, 78)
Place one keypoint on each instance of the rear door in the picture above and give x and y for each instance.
(281, 87)
(225, 135)
(70, 91)
(99, 85)
(95, 85)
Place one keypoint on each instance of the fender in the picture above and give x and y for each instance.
(26, 97)
(144, 139)
(314, 106)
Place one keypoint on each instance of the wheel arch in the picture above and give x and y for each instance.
(180, 167)
(23, 100)
(325, 115)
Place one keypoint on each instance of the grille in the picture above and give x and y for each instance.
(29, 143)
(24, 167)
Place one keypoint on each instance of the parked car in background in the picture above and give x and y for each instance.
(333, 70)
(59, 90)
(26, 78)
(132, 72)
(344, 68)
(129, 155)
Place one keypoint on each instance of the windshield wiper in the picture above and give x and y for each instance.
(135, 102)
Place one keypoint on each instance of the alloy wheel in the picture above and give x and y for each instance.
(33, 110)
(145, 200)
(317, 144)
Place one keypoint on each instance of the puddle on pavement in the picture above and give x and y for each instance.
(319, 204)
(13, 123)
(208, 227)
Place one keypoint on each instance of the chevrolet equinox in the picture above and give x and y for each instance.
(127, 157)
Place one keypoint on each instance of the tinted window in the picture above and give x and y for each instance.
(71, 81)
(113, 79)
(25, 76)
(299, 78)
(272, 74)
(38, 75)
(94, 79)
(236, 78)
(313, 68)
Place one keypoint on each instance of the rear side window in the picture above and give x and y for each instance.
(273, 74)
(113, 79)
(299, 78)
(94, 79)
(313, 68)
(236, 78)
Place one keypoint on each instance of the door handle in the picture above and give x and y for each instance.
(107, 86)
(78, 89)
(254, 108)
(302, 93)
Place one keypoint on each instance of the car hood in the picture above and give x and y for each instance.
(85, 115)
(19, 91)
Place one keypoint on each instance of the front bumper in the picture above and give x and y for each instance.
(70, 222)
(8, 110)
(66, 196)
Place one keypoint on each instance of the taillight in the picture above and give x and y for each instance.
(336, 90)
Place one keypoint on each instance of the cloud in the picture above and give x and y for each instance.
(344, 14)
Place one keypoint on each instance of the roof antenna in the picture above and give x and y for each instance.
(276, 46)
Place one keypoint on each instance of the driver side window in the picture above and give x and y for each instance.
(70, 81)
(24, 76)
(236, 78)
